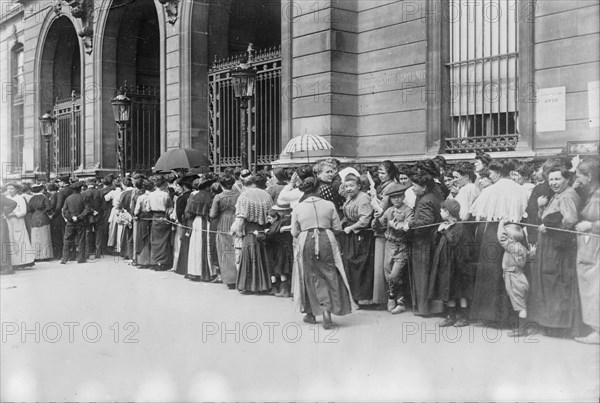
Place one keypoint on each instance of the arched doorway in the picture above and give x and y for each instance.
(60, 77)
(237, 24)
(131, 61)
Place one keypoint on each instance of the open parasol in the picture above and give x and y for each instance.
(180, 158)
(308, 143)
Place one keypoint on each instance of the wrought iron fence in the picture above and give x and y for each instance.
(67, 142)
(264, 112)
(142, 140)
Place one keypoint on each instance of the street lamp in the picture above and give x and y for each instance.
(47, 131)
(122, 112)
(243, 77)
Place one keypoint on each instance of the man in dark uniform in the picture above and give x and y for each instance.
(76, 213)
(57, 202)
(94, 200)
(6, 207)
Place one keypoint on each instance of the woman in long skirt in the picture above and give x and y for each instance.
(197, 212)
(426, 212)
(588, 249)
(553, 300)
(41, 238)
(356, 242)
(251, 209)
(320, 283)
(21, 250)
(183, 232)
(504, 199)
(113, 228)
(143, 216)
(223, 212)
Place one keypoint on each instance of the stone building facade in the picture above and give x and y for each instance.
(379, 79)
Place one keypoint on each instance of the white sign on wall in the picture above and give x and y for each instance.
(594, 103)
(550, 110)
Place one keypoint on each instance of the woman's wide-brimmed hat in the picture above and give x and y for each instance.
(281, 207)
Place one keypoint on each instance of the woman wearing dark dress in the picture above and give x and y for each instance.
(320, 283)
(251, 212)
(426, 212)
(553, 294)
(223, 213)
(356, 241)
(41, 238)
(181, 261)
(197, 212)
(588, 248)
(541, 189)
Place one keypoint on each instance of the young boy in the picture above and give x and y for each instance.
(451, 277)
(513, 261)
(396, 246)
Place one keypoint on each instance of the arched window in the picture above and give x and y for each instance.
(17, 132)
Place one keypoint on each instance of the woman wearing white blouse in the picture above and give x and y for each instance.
(22, 254)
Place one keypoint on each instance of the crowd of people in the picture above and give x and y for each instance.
(487, 241)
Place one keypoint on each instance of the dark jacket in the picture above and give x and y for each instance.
(94, 199)
(426, 211)
(61, 197)
(75, 207)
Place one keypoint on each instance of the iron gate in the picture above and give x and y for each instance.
(264, 112)
(142, 140)
(67, 142)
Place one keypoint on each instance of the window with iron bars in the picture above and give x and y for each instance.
(483, 65)
(17, 130)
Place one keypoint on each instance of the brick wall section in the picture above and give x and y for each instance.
(567, 53)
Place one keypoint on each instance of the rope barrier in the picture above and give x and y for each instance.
(413, 228)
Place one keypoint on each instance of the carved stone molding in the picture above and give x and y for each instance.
(84, 11)
(172, 9)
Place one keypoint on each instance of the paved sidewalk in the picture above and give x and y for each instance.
(108, 331)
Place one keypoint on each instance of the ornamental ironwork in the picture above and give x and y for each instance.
(264, 111)
(490, 143)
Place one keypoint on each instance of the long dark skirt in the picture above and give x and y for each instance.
(554, 294)
(142, 246)
(184, 250)
(490, 300)
(127, 242)
(160, 242)
(357, 254)
(281, 258)
(57, 230)
(420, 273)
(325, 288)
(254, 272)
